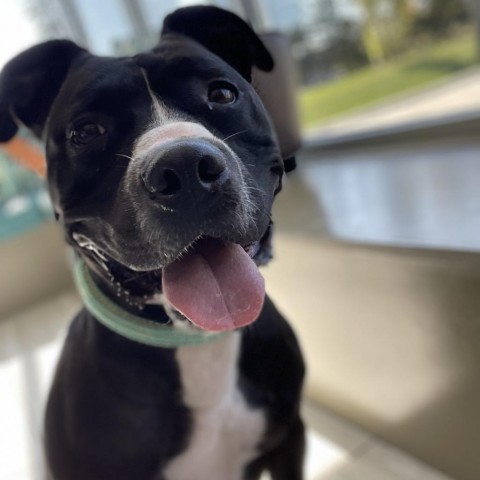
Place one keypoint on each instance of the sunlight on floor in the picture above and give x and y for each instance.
(322, 457)
(14, 446)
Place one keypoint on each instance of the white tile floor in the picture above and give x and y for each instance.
(29, 346)
(338, 450)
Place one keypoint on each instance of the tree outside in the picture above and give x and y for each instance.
(345, 36)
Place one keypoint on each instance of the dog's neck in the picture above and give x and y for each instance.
(130, 325)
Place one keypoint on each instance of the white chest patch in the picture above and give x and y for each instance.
(226, 431)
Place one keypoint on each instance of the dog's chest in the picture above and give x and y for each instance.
(226, 431)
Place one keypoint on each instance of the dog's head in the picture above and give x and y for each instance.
(162, 167)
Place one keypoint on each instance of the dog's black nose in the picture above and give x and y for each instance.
(191, 166)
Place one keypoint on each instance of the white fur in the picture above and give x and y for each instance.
(166, 125)
(226, 431)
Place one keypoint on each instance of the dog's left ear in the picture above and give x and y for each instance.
(223, 33)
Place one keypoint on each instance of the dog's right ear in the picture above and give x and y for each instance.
(29, 84)
(223, 33)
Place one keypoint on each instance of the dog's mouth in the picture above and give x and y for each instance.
(214, 284)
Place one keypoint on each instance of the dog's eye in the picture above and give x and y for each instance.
(85, 133)
(222, 93)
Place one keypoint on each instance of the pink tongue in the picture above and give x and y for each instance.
(216, 286)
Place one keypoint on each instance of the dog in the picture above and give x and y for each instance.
(162, 169)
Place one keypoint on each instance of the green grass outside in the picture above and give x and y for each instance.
(321, 102)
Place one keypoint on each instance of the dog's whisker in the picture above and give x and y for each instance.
(136, 277)
(253, 189)
(234, 135)
(126, 156)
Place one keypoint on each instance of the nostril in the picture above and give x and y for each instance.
(169, 183)
(210, 168)
(161, 182)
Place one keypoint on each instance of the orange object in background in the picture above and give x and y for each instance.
(21, 151)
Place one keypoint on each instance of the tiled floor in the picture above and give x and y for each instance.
(338, 450)
(29, 346)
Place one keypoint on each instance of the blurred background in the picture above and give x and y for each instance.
(377, 230)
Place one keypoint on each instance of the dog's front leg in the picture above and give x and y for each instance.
(286, 461)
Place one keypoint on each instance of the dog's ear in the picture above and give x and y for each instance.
(29, 84)
(223, 33)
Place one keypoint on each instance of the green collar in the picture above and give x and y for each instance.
(132, 326)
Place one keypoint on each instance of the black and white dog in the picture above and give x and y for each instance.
(162, 169)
